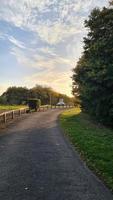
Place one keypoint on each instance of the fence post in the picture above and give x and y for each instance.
(5, 117)
(19, 112)
(13, 114)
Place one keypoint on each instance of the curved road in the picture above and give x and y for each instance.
(38, 163)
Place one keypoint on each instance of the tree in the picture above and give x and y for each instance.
(93, 75)
(3, 100)
(16, 95)
(42, 93)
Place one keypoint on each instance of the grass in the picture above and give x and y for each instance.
(10, 107)
(94, 142)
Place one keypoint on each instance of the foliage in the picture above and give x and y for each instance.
(45, 93)
(16, 95)
(3, 100)
(34, 104)
(19, 95)
(94, 142)
(93, 75)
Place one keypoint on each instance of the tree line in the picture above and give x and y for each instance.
(93, 75)
(20, 95)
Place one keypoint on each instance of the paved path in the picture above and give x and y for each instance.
(38, 163)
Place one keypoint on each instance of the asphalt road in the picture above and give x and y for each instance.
(38, 163)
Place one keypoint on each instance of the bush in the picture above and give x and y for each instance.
(34, 104)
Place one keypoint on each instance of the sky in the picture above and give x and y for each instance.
(41, 41)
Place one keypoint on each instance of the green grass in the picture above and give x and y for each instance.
(94, 142)
(10, 107)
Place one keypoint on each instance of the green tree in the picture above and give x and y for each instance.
(3, 100)
(42, 93)
(93, 75)
(16, 95)
(45, 93)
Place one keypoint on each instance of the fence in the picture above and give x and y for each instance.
(46, 107)
(10, 115)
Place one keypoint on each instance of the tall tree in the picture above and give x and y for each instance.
(94, 72)
(16, 95)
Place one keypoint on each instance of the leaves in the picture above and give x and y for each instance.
(94, 72)
(18, 95)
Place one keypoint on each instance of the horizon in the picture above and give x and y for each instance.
(40, 43)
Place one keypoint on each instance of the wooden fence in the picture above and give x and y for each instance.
(10, 115)
(46, 107)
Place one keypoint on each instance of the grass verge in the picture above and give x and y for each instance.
(94, 142)
(10, 107)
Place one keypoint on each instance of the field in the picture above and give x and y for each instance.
(4, 108)
(93, 141)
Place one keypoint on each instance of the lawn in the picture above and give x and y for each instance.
(10, 107)
(93, 141)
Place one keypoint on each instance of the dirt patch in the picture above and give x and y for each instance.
(5, 127)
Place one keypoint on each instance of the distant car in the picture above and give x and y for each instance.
(60, 104)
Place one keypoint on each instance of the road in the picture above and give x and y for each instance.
(37, 162)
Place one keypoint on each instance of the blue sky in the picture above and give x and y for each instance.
(41, 41)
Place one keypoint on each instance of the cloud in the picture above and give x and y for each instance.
(43, 58)
(39, 17)
(16, 42)
(56, 32)
(12, 40)
(59, 81)
(21, 13)
(52, 69)
(55, 29)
